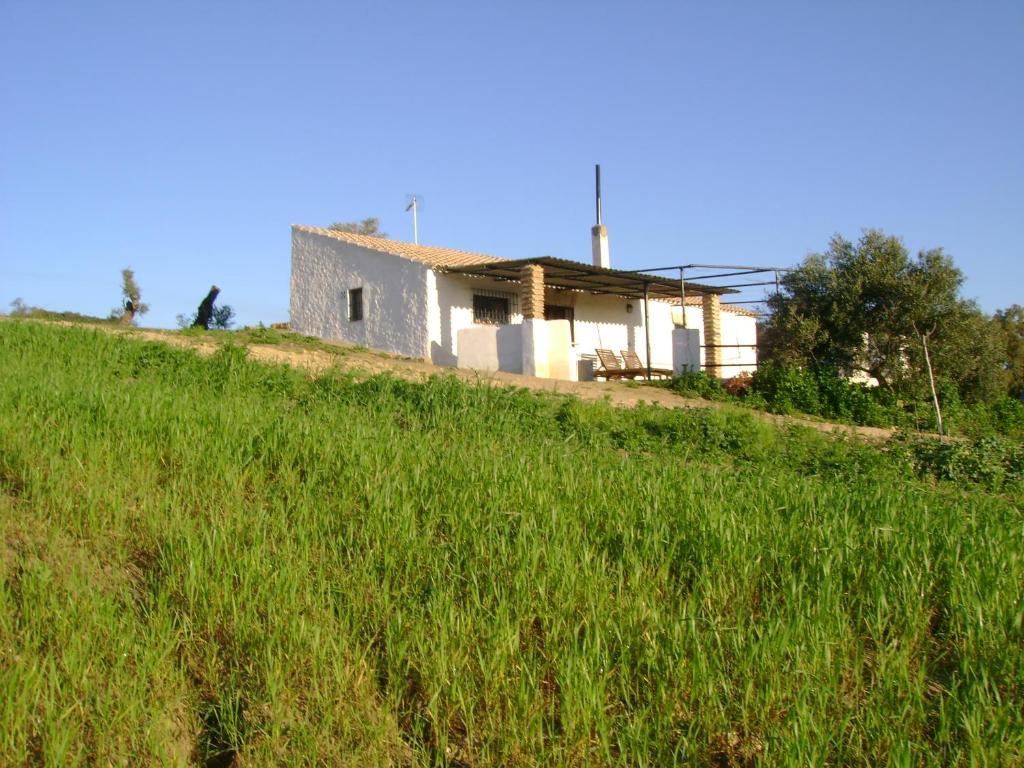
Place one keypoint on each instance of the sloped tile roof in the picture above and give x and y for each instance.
(695, 301)
(430, 255)
(437, 257)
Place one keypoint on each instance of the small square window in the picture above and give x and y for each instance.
(355, 304)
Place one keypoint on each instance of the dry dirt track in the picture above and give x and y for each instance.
(337, 354)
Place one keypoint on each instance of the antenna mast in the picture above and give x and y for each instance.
(412, 206)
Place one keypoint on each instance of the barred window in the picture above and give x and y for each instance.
(493, 307)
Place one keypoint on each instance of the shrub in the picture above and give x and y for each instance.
(787, 389)
(261, 334)
(992, 462)
(699, 384)
(740, 384)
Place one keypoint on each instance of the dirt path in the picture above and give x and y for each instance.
(328, 354)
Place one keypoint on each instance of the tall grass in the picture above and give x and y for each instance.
(211, 560)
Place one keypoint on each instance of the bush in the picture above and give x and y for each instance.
(787, 389)
(992, 462)
(261, 334)
(20, 309)
(699, 385)
(740, 384)
(1004, 417)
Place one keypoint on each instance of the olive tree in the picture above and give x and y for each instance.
(131, 299)
(369, 226)
(869, 307)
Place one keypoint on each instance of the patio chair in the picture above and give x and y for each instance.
(611, 368)
(632, 361)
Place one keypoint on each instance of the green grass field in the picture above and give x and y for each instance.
(215, 562)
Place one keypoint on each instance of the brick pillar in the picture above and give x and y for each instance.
(531, 297)
(711, 303)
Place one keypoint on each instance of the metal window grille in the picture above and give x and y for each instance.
(494, 307)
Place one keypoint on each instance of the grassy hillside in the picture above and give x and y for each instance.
(216, 562)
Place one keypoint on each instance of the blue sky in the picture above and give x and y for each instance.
(182, 139)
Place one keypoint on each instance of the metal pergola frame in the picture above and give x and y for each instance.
(735, 270)
(577, 276)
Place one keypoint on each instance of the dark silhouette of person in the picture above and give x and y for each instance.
(205, 313)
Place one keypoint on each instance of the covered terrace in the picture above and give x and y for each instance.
(536, 274)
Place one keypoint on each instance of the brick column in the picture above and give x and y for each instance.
(531, 297)
(712, 305)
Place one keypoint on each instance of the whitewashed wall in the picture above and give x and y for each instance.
(661, 335)
(738, 329)
(604, 322)
(395, 313)
(600, 322)
(491, 348)
(451, 309)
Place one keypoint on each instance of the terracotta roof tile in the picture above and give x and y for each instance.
(430, 255)
(435, 256)
(696, 301)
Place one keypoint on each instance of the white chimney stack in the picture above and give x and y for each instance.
(599, 233)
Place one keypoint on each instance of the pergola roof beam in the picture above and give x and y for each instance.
(749, 285)
(742, 270)
(560, 273)
(734, 274)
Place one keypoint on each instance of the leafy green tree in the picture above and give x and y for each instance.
(20, 309)
(1009, 323)
(222, 319)
(864, 307)
(369, 226)
(131, 296)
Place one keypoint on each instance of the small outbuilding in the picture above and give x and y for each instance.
(540, 316)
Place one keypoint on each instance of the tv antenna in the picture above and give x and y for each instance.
(415, 203)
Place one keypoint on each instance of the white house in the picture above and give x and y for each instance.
(538, 316)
